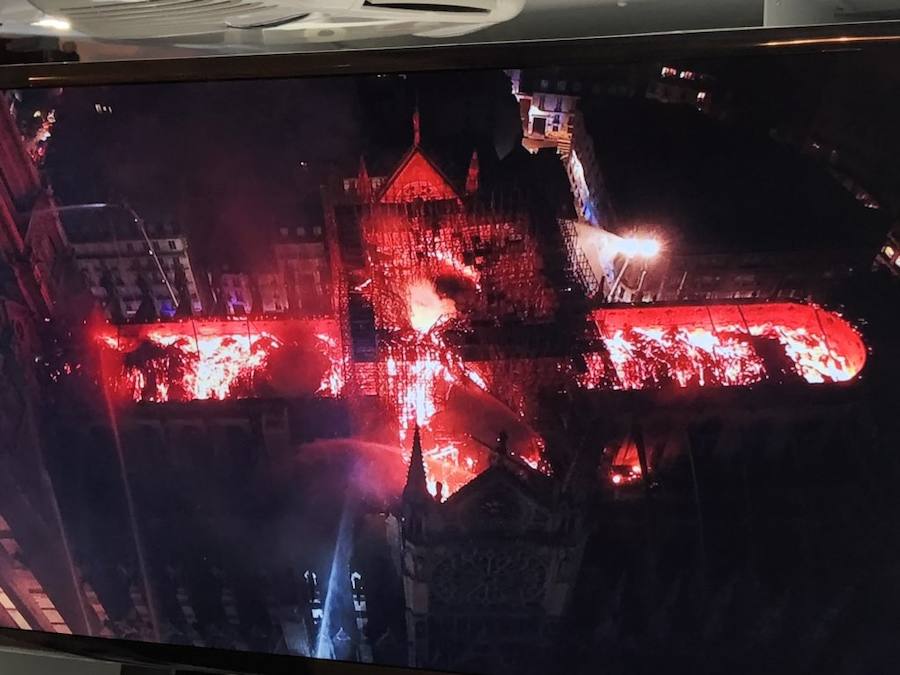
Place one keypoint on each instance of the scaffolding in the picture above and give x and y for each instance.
(457, 247)
(578, 263)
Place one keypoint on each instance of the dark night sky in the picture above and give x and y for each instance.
(226, 160)
(712, 187)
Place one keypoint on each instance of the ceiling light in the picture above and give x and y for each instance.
(54, 23)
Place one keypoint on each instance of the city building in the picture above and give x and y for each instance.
(138, 272)
(31, 237)
(685, 86)
(247, 293)
(592, 203)
(889, 255)
(539, 94)
(302, 264)
(41, 586)
(233, 292)
(550, 105)
(547, 106)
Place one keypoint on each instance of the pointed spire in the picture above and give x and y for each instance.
(416, 489)
(417, 130)
(472, 177)
(363, 182)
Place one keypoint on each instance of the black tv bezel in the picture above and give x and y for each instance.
(494, 55)
(535, 53)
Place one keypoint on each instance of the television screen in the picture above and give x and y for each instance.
(554, 369)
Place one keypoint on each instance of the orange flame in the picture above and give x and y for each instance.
(212, 363)
(706, 346)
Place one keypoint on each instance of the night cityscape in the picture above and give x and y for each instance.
(543, 370)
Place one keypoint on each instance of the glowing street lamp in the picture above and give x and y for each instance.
(638, 247)
(645, 248)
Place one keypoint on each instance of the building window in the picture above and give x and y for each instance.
(283, 231)
(14, 613)
(561, 85)
(301, 231)
(317, 230)
(668, 71)
(545, 84)
(172, 246)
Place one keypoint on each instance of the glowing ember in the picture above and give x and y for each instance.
(626, 467)
(706, 346)
(205, 367)
(225, 359)
(333, 380)
(460, 268)
(652, 357)
(421, 371)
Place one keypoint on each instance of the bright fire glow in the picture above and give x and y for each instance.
(723, 345)
(637, 247)
(216, 359)
(426, 307)
(203, 368)
(421, 370)
(333, 380)
(460, 268)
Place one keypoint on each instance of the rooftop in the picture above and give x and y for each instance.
(109, 223)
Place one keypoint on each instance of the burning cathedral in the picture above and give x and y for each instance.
(466, 335)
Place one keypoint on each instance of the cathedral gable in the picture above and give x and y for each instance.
(496, 500)
(417, 178)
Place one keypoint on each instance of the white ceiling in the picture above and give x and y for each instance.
(539, 19)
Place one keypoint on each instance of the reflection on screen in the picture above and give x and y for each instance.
(583, 369)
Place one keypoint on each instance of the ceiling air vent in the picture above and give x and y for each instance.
(264, 23)
(426, 6)
(272, 23)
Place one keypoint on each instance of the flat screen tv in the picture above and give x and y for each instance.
(570, 357)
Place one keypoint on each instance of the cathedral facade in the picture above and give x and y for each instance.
(487, 573)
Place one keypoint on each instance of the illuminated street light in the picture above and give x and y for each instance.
(638, 247)
(633, 247)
